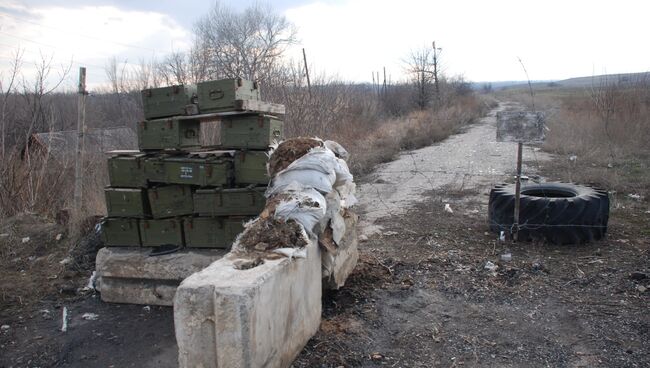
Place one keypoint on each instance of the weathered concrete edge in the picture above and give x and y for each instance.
(264, 316)
(135, 263)
(137, 291)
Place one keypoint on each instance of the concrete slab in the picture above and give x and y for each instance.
(130, 275)
(337, 268)
(138, 291)
(260, 317)
(133, 262)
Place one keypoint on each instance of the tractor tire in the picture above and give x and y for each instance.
(558, 213)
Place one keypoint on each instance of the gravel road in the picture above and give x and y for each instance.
(470, 160)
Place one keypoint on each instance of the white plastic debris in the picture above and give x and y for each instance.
(634, 196)
(448, 208)
(490, 266)
(506, 257)
(65, 261)
(91, 281)
(573, 158)
(5, 328)
(146, 308)
(64, 322)
(502, 236)
(58, 237)
(4, 235)
(90, 316)
(25, 239)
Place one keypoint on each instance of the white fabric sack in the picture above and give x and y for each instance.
(307, 207)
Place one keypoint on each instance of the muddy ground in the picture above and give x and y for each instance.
(421, 295)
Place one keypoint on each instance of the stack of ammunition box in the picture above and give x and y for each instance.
(176, 192)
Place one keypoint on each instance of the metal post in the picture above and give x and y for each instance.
(435, 70)
(304, 55)
(81, 128)
(515, 235)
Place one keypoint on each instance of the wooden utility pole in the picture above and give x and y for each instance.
(515, 235)
(81, 130)
(435, 70)
(304, 55)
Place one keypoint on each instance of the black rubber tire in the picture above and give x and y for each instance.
(558, 213)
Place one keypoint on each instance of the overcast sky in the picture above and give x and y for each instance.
(480, 40)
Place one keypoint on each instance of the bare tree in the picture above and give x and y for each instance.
(420, 67)
(7, 89)
(247, 44)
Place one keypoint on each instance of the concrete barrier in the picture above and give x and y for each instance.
(259, 317)
(130, 275)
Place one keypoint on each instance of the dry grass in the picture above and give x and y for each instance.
(373, 143)
(606, 128)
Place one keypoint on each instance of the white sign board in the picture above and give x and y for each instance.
(520, 126)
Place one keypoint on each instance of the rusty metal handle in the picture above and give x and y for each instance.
(216, 94)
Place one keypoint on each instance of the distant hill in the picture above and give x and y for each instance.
(579, 82)
(597, 80)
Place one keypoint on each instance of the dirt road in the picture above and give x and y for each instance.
(472, 161)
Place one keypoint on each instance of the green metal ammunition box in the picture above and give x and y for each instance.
(224, 202)
(250, 167)
(169, 134)
(126, 169)
(167, 101)
(235, 226)
(171, 201)
(154, 169)
(220, 95)
(213, 168)
(155, 233)
(127, 202)
(251, 131)
(120, 232)
(212, 232)
(206, 232)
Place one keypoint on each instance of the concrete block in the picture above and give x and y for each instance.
(337, 267)
(130, 275)
(136, 263)
(260, 317)
(138, 291)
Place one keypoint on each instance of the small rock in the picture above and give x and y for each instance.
(90, 316)
(363, 238)
(376, 356)
(146, 308)
(4, 328)
(638, 275)
(641, 288)
(506, 257)
(58, 237)
(490, 266)
(25, 239)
